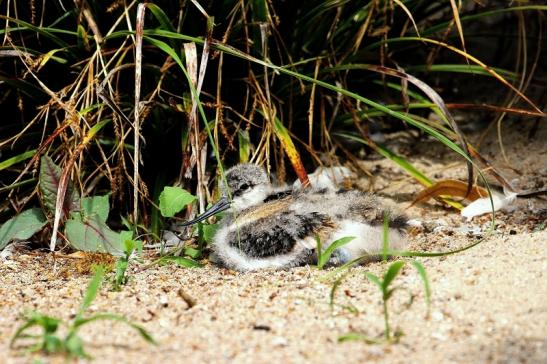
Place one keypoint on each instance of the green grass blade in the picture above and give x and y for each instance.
(403, 163)
(392, 273)
(183, 262)
(353, 336)
(484, 14)
(334, 288)
(171, 52)
(46, 32)
(92, 289)
(374, 279)
(423, 275)
(386, 152)
(110, 316)
(325, 255)
(461, 68)
(160, 15)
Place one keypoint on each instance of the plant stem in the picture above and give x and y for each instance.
(386, 321)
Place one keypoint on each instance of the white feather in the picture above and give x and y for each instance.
(484, 205)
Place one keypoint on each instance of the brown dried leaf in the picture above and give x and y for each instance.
(450, 187)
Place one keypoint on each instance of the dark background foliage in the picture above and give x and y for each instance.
(55, 42)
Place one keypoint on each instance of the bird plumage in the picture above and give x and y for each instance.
(268, 227)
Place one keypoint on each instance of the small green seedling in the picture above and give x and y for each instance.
(323, 256)
(122, 263)
(72, 345)
(385, 286)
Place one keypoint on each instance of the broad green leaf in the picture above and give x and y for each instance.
(126, 236)
(192, 252)
(209, 231)
(391, 273)
(129, 245)
(22, 226)
(50, 175)
(173, 200)
(92, 234)
(96, 205)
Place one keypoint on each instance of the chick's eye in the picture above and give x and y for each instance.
(244, 187)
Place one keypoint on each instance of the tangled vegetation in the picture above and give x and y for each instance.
(132, 97)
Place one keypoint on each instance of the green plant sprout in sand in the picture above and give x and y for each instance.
(385, 286)
(122, 263)
(72, 345)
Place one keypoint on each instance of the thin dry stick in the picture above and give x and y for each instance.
(201, 160)
(137, 125)
(312, 103)
(191, 66)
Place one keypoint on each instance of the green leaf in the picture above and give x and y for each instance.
(161, 17)
(391, 273)
(121, 266)
(129, 245)
(324, 257)
(82, 37)
(47, 323)
(93, 235)
(335, 286)
(50, 175)
(183, 262)
(52, 344)
(110, 316)
(354, 336)
(209, 231)
(374, 279)
(75, 346)
(22, 226)
(244, 144)
(92, 289)
(96, 205)
(388, 293)
(18, 158)
(421, 271)
(173, 200)
(192, 252)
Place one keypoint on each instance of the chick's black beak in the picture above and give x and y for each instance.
(221, 205)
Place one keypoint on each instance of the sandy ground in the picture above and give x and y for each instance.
(489, 303)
